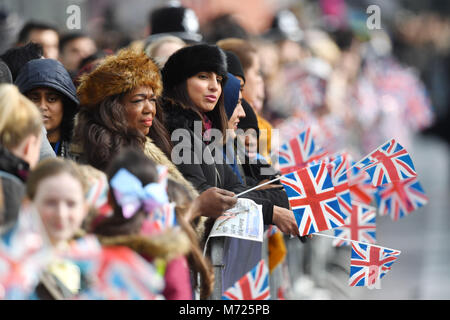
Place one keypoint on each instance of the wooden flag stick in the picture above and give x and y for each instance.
(256, 187)
(365, 243)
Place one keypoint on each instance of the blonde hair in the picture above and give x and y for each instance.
(243, 49)
(19, 117)
(154, 46)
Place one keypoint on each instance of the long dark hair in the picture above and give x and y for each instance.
(199, 265)
(218, 116)
(102, 131)
(70, 109)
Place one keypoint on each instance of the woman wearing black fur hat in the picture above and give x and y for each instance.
(193, 100)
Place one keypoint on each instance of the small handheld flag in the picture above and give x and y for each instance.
(298, 152)
(359, 226)
(253, 286)
(398, 199)
(390, 162)
(313, 199)
(369, 264)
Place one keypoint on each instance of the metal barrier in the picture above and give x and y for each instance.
(216, 245)
(306, 264)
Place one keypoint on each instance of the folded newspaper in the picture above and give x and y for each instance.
(244, 221)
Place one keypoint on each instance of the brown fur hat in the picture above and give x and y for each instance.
(119, 73)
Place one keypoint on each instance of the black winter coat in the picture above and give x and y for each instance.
(204, 167)
(13, 174)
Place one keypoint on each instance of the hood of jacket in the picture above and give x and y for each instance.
(46, 73)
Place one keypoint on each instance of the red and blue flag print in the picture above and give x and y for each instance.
(313, 199)
(160, 219)
(399, 198)
(116, 272)
(298, 152)
(369, 264)
(390, 162)
(337, 169)
(361, 188)
(253, 286)
(359, 182)
(359, 226)
(24, 253)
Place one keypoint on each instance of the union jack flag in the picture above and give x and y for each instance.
(390, 162)
(359, 182)
(359, 226)
(369, 264)
(337, 169)
(298, 152)
(159, 219)
(361, 188)
(253, 286)
(313, 199)
(400, 198)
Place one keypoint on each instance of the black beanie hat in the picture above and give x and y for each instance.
(250, 121)
(234, 65)
(191, 60)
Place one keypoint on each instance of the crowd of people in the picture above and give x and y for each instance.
(97, 141)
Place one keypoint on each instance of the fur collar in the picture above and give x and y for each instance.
(167, 246)
(154, 153)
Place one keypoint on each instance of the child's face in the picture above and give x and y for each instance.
(61, 204)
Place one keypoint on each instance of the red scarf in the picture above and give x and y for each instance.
(207, 124)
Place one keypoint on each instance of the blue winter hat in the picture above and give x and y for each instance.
(231, 94)
(46, 73)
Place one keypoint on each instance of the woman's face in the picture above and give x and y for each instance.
(61, 204)
(238, 113)
(204, 89)
(250, 142)
(140, 106)
(253, 90)
(50, 103)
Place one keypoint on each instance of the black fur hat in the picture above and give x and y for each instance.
(191, 60)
